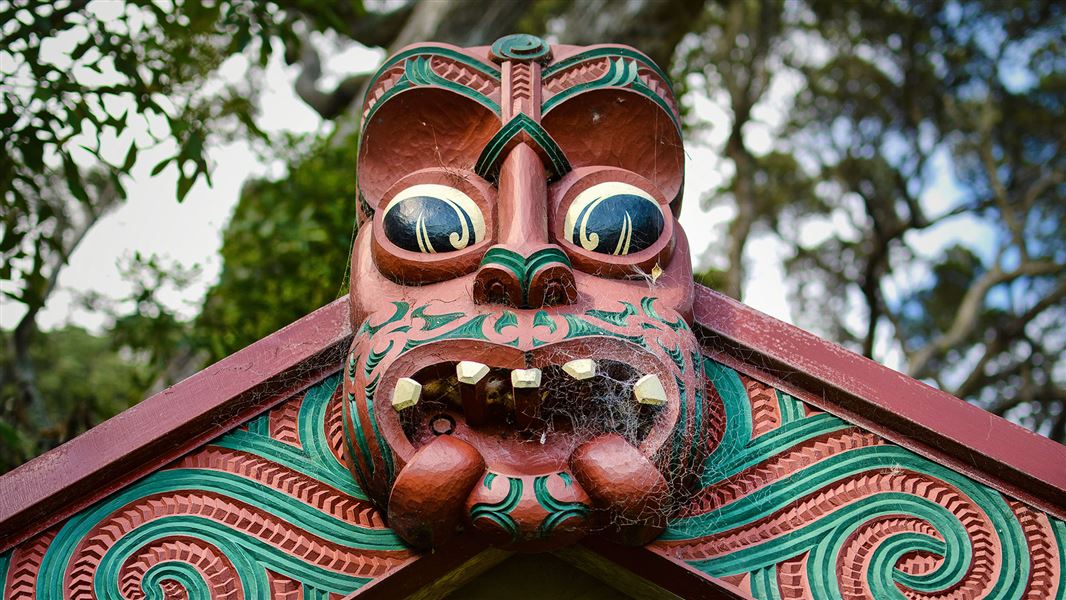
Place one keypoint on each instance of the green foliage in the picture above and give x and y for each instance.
(130, 64)
(86, 380)
(285, 252)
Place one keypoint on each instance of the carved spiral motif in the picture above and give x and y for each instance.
(265, 508)
(521, 46)
(796, 502)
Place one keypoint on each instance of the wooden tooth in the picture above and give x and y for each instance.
(649, 390)
(525, 386)
(581, 368)
(472, 380)
(406, 393)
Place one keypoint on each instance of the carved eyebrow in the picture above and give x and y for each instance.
(488, 163)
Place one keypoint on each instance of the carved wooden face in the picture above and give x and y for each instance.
(521, 295)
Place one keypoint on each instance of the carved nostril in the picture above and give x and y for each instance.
(497, 293)
(554, 294)
(552, 285)
(543, 278)
(495, 284)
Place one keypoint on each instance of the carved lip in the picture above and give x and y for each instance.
(570, 412)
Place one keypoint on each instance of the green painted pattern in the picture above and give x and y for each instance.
(524, 268)
(675, 354)
(542, 318)
(488, 162)
(383, 446)
(5, 564)
(790, 408)
(500, 512)
(374, 358)
(824, 536)
(506, 319)
(647, 304)
(259, 425)
(679, 429)
(1059, 528)
(250, 556)
(621, 72)
(600, 53)
(698, 438)
(579, 327)
(367, 329)
(187, 576)
(356, 431)
(432, 322)
(417, 72)
(473, 328)
(618, 318)
(520, 47)
(558, 512)
(764, 583)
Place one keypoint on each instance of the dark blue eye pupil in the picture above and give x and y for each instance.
(429, 225)
(619, 224)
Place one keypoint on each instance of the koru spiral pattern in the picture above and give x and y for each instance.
(265, 511)
(794, 503)
(797, 503)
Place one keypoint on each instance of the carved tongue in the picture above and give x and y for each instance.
(427, 500)
(625, 485)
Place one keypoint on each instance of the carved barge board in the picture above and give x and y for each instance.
(794, 500)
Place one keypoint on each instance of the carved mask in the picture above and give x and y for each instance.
(521, 297)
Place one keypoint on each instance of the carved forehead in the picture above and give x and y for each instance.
(437, 105)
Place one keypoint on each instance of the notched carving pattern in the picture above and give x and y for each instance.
(267, 510)
(797, 503)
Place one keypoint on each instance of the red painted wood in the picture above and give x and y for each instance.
(908, 412)
(136, 442)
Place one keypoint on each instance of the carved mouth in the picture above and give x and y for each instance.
(519, 441)
(527, 411)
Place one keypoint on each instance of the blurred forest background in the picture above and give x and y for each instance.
(882, 102)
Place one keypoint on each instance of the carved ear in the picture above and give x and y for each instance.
(619, 127)
(417, 129)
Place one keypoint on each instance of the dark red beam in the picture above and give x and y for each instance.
(158, 430)
(933, 423)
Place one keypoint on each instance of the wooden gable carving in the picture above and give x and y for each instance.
(524, 366)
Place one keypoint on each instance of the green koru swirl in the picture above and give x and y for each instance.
(520, 46)
(824, 537)
(558, 511)
(500, 512)
(250, 557)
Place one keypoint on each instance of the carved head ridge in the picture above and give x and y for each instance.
(523, 363)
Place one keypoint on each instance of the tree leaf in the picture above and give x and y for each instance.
(131, 157)
(158, 168)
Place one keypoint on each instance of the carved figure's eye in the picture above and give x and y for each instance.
(431, 218)
(613, 218)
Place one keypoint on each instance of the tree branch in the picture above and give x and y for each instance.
(1007, 332)
(327, 104)
(969, 311)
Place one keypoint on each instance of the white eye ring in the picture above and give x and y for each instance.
(575, 223)
(465, 209)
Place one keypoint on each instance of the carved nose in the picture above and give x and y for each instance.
(541, 278)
